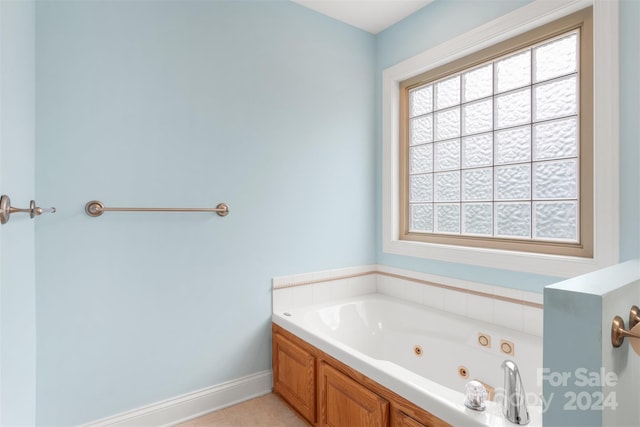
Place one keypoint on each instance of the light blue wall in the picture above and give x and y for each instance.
(584, 306)
(577, 344)
(629, 133)
(266, 106)
(436, 23)
(17, 254)
(445, 19)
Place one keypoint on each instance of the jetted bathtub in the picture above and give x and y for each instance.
(420, 353)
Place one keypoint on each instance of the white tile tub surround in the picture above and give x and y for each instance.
(512, 308)
(323, 286)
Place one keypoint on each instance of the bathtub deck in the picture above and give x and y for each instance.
(266, 411)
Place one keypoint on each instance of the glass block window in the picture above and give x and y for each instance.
(493, 149)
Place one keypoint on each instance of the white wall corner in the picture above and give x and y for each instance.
(606, 132)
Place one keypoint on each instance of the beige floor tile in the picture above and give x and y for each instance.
(264, 411)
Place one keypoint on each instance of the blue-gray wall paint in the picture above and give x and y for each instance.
(17, 254)
(436, 23)
(266, 106)
(581, 363)
(577, 343)
(629, 133)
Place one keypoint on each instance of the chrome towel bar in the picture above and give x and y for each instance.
(96, 208)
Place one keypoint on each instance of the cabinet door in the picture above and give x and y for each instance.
(345, 403)
(404, 416)
(294, 376)
(400, 419)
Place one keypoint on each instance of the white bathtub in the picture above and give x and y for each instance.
(376, 335)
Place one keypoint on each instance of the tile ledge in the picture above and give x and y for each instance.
(293, 283)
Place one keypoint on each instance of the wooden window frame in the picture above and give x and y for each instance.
(606, 140)
(582, 21)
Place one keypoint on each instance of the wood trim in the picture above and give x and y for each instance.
(582, 20)
(606, 140)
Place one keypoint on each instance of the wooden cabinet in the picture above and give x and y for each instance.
(294, 376)
(400, 419)
(404, 415)
(328, 393)
(344, 402)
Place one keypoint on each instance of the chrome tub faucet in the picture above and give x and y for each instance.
(514, 402)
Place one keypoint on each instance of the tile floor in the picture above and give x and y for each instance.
(263, 411)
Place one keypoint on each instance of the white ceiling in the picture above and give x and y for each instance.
(369, 15)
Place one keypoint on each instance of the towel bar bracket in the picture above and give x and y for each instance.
(6, 209)
(618, 331)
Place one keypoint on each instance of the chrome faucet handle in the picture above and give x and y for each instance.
(514, 405)
(475, 396)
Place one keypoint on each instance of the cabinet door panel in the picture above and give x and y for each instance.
(345, 403)
(294, 376)
(403, 420)
(403, 416)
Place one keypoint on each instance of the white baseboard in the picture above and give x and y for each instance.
(192, 405)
